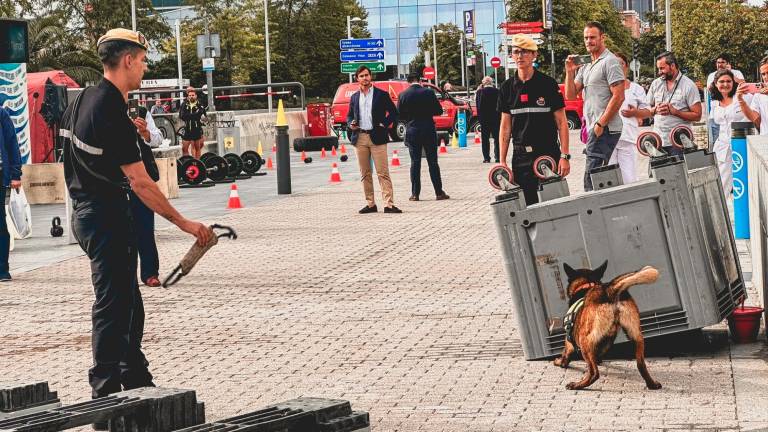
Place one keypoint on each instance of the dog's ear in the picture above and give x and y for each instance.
(569, 271)
(598, 273)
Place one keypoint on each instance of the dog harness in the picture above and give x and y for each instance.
(575, 306)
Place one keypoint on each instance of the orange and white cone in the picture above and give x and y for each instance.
(269, 163)
(303, 155)
(477, 138)
(335, 175)
(322, 153)
(443, 148)
(234, 198)
(343, 149)
(395, 159)
(333, 151)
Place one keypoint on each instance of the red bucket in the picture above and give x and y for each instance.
(744, 323)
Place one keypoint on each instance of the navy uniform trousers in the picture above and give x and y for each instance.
(104, 230)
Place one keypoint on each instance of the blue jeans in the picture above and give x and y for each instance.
(144, 225)
(5, 238)
(598, 151)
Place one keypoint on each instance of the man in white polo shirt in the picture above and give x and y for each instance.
(757, 111)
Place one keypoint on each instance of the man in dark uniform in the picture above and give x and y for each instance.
(533, 116)
(417, 105)
(102, 156)
(487, 99)
(191, 113)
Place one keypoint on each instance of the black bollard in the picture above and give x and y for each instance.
(283, 154)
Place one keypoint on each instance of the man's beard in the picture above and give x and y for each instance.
(667, 76)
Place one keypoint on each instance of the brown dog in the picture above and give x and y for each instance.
(606, 307)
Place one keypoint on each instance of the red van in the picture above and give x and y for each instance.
(443, 122)
(574, 109)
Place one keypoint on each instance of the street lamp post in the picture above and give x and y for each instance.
(668, 25)
(350, 19)
(133, 15)
(434, 51)
(266, 46)
(461, 47)
(397, 55)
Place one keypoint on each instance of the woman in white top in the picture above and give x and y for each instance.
(725, 110)
(625, 153)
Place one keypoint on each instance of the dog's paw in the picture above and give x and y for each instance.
(653, 385)
(572, 386)
(560, 362)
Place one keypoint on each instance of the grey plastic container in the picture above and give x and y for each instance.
(675, 221)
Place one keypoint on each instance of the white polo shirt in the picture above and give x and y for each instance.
(760, 104)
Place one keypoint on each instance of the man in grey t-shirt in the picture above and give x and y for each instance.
(602, 83)
(673, 99)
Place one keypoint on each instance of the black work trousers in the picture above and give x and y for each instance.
(488, 130)
(104, 230)
(418, 137)
(522, 169)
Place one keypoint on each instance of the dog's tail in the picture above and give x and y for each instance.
(622, 283)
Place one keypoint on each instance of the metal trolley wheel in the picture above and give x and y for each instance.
(647, 137)
(499, 170)
(676, 134)
(541, 163)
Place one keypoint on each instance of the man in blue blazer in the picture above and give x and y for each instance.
(371, 114)
(11, 170)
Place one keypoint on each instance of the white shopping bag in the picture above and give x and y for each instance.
(19, 213)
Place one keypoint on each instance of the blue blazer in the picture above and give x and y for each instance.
(9, 149)
(383, 114)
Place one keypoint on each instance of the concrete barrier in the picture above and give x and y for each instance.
(757, 158)
(261, 127)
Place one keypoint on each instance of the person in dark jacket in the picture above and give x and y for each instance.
(417, 105)
(144, 218)
(371, 114)
(11, 169)
(487, 99)
(191, 113)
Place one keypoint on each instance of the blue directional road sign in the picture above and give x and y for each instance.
(347, 44)
(347, 56)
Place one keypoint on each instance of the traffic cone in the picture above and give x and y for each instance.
(335, 176)
(269, 163)
(234, 198)
(322, 153)
(260, 149)
(303, 155)
(443, 148)
(333, 151)
(395, 159)
(343, 149)
(477, 138)
(455, 141)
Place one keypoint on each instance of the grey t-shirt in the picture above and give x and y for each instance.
(683, 95)
(597, 78)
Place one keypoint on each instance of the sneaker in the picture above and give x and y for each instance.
(367, 209)
(392, 209)
(442, 196)
(152, 281)
(5, 277)
(413, 198)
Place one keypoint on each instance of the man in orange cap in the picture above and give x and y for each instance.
(533, 118)
(102, 163)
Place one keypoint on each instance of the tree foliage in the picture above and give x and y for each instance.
(448, 37)
(569, 17)
(702, 29)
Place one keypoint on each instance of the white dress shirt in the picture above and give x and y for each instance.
(365, 106)
(155, 136)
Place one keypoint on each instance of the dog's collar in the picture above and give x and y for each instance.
(581, 293)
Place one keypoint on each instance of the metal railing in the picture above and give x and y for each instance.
(277, 89)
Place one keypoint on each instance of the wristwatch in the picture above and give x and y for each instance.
(566, 156)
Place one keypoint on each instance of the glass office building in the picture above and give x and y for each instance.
(418, 16)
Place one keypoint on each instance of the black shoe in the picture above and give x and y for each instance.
(100, 426)
(497, 161)
(486, 161)
(442, 196)
(6, 277)
(367, 209)
(413, 198)
(392, 209)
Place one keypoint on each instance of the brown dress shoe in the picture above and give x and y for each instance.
(367, 209)
(392, 209)
(413, 198)
(442, 196)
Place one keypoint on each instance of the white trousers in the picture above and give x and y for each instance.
(625, 154)
(724, 154)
